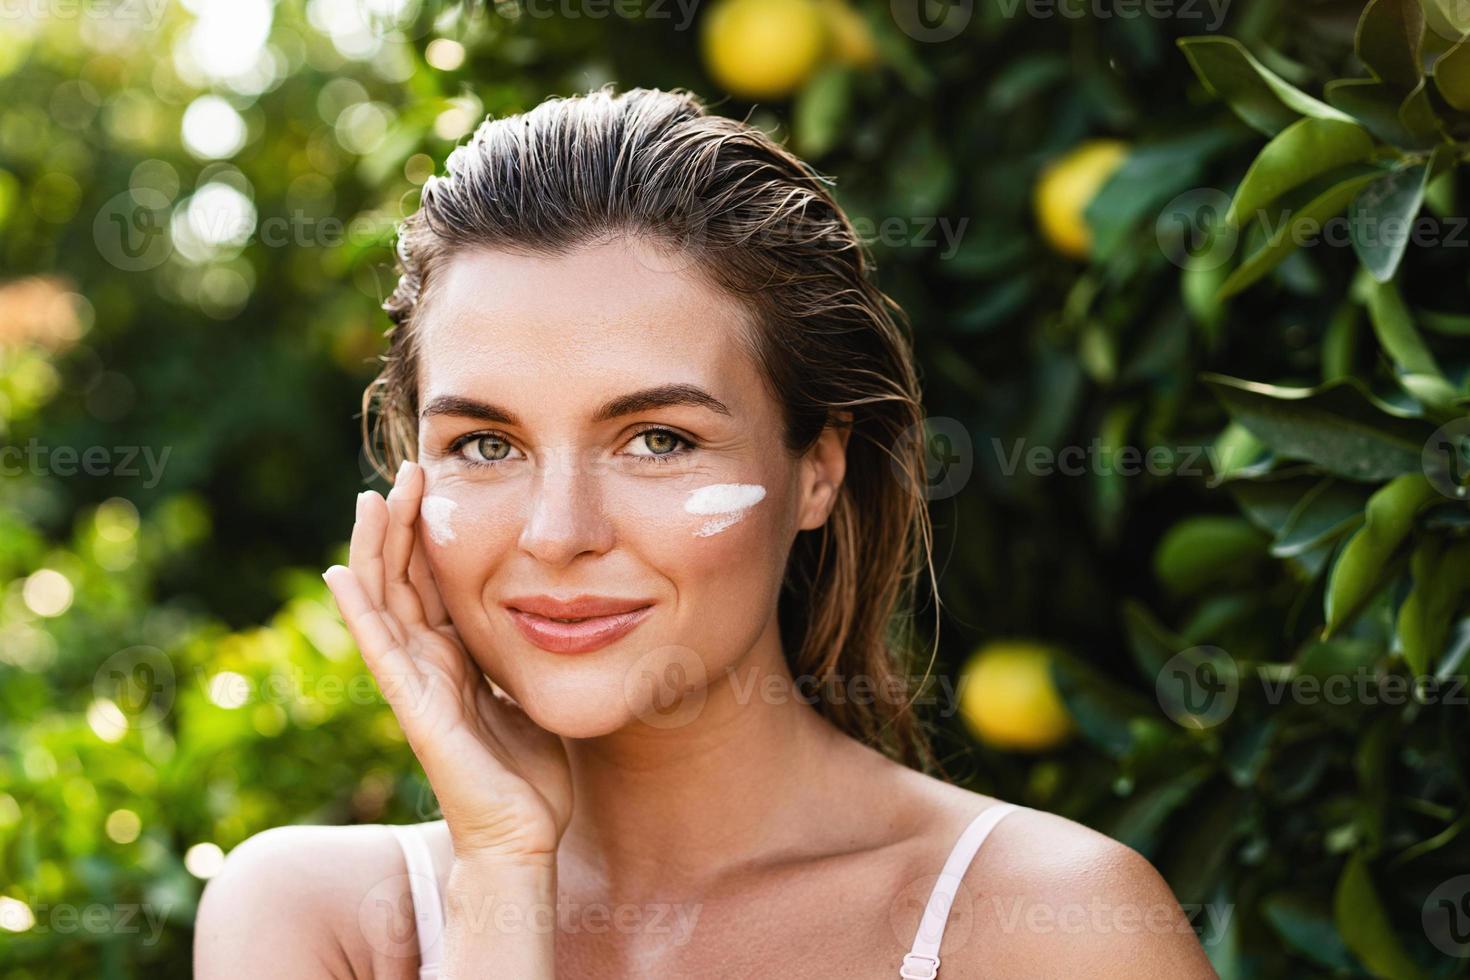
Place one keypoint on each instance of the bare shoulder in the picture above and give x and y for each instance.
(1047, 896)
(310, 901)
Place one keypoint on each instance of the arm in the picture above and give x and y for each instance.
(266, 913)
(1055, 898)
(1141, 931)
(500, 911)
(502, 782)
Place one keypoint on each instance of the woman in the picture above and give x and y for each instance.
(651, 426)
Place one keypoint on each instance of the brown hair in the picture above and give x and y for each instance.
(834, 349)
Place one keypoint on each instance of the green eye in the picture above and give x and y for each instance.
(660, 443)
(491, 448)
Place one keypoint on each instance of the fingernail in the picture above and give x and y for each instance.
(360, 499)
(402, 470)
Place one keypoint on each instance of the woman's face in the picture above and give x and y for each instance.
(609, 504)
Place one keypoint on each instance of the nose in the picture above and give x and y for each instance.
(566, 518)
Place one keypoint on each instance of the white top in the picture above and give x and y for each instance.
(423, 889)
(921, 963)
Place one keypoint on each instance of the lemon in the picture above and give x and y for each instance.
(851, 38)
(763, 49)
(1008, 699)
(1066, 188)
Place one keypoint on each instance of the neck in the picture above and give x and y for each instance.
(729, 787)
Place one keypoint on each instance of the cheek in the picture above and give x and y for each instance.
(700, 529)
(463, 524)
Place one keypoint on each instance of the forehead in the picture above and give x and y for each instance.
(577, 327)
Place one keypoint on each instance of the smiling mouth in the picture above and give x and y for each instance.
(580, 625)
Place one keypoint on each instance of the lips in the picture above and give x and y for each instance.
(579, 624)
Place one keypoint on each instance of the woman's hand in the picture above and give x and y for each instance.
(501, 780)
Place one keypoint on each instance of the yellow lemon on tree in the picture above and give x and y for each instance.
(1008, 699)
(1067, 186)
(763, 49)
(852, 40)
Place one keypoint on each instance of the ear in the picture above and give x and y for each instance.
(822, 468)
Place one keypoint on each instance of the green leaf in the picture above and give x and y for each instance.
(1207, 550)
(1269, 503)
(1376, 106)
(1150, 642)
(1340, 342)
(1102, 709)
(1389, 40)
(1449, 324)
(1419, 373)
(1234, 451)
(1452, 75)
(820, 114)
(1324, 512)
(1222, 939)
(1301, 513)
(1381, 219)
(1339, 426)
(1395, 329)
(1140, 821)
(1441, 578)
(1305, 924)
(1363, 564)
(1257, 95)
(1448, 18)
(1152, 175)
(1364, 925)
(1201, 846)
(1337, 657)
(1420, 118)
(1306, 149)
(1294, 228)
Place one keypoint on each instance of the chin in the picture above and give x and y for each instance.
(591, 695)
(577, 714)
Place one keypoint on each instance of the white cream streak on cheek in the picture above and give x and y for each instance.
(438, 514)
(725, 504)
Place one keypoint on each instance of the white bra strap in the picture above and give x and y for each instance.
(423, 886)
(922, 962)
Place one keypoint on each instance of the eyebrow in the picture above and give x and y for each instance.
(646, 399)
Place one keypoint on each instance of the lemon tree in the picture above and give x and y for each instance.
(1008, 698)
(763, 48)
(1067, 186)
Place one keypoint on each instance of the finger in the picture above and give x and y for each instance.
(422, 577)
(378, 644)
(390, 663)
(400, 595)
(365, 554)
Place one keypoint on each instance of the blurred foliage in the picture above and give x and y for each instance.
(196, 210)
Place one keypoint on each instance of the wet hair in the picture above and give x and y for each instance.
(834, 350)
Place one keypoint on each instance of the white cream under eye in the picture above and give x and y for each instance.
(438, 515)
(725, 504)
